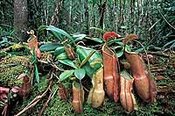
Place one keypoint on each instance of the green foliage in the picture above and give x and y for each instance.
(143, 18)
(61, 57)
(34, 61)
(68, 63)
(163, 106)
(152, 20)
(59, 50)
(81, 65)
(36, 73)
(6, 36)
(79, 73)
(84, 52)
(78, 37)
(4, 42)
(58, 33)
(6, 13)
(49, 47)
(87, 61)
(66, 74)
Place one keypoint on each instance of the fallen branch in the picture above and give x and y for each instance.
(36, 99)
(165, 89)
(45, 105)
(5, 111)
(52, 94)
(159, 53)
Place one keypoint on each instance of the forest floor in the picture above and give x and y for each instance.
(162, 67)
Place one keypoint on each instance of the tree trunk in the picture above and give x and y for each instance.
(102, 10)
(93, 16)
(70, 13)
(20, 18)
(86, 16)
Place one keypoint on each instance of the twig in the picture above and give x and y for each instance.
(45, 105)
(35, 100)
(56, 76)
(153, 25)
(165, 89)
(5, 111)
(159, 54)
(166, 20)
(51, 64)
(81, 43)
(47, 102)
(86, 89)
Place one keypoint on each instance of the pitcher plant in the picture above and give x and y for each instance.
(97, 94)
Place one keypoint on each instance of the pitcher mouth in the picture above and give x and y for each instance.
(106, 50)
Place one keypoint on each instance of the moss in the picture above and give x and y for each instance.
(11, 67)
(3, 54)
(165, 104)
(37, 89)
(58, 107)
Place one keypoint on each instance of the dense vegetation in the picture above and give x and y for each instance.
(152, 20)
(59, 45)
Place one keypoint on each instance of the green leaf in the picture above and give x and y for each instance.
(59, 50)
(36, 73)
(139, 50)
(57, 32)
(84, 52)
(79, 37)
(119, 51)
(66, 74)
(96, 64)
(33, 58)
(68, 63)
(87, 59)
(127, 48)
(89, 70)
(59, 37)
(49, 47)
(98, 40)
(119, 43)
(79, 73)
(62, 56)
(116, 41)
(92, 67)
(44, 27)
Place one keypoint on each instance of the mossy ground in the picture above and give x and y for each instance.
(11, 67)
(165, 104)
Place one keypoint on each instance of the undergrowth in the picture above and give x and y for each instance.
(165, 104)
